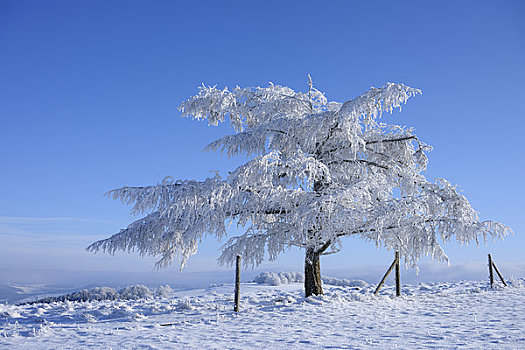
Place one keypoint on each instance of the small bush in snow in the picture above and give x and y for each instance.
(138, 291)
(270, 278)
(184, 304)
(344, 282)
(274, 279)
(163, 291)
(98, 293)
(291, 277)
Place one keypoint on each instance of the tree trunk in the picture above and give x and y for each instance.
(312, 273)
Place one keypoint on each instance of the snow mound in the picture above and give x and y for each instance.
(276, 279)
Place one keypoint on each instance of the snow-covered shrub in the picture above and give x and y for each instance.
(291, 277)
(100, 293)
(270, 278)
(344, 282)
(138, 291)
(275, 279)
(184, 304)
(8, 311)
(97, 293)
(163, 291)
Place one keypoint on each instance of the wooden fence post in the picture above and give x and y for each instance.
(394, 264)
(237, 283)
(398, 278)
(498, 273)
(491, 274)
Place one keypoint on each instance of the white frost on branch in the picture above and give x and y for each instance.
(320, 171)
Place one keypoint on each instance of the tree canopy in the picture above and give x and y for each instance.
(318, 171)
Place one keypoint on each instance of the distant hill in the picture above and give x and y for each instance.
(11, 294)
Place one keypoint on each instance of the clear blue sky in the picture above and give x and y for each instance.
(89, 93)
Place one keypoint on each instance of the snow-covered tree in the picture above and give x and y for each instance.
(319, 171)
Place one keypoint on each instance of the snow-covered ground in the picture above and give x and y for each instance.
(435, 315)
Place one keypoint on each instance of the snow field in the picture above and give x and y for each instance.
(446, 315)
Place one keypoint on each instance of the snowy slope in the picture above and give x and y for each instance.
(444, 315)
